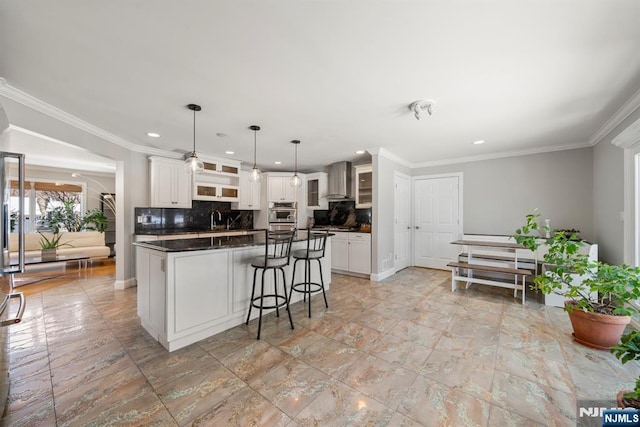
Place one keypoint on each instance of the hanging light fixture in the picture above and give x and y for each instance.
(255, 175)
(295, 180)
(193, 163)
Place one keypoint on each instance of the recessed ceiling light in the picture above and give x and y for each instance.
(277, 163)
(153, 134)
(229, 152)
(478, 142)
(360, 152)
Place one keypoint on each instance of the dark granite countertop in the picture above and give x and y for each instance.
(174, 231)
(341, 229)
(206, 243)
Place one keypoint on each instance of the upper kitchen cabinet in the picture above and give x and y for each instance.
(279, 188)
(317, 187)
(250, 193)
(221, 167)
(219, 181)
(170, 183)
(364, 186)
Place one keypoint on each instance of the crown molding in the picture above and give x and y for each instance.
(628, 138)
(632, 104)
(502, 155)
(40, 106)
(383, 152)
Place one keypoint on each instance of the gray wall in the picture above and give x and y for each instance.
(608, 194)
(498, 193)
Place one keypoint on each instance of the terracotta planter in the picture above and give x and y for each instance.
(601, 331)
(624, 402)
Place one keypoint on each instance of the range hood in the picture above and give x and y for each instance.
(339, 181)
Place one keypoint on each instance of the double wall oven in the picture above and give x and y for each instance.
(282, 216)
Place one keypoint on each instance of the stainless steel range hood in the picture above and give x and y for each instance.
(339, 181)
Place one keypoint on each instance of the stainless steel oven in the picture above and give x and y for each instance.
(282, 212)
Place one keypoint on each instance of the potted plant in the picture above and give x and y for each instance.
(629, 349)
(49, 246)
(597, 321)
(66, 217)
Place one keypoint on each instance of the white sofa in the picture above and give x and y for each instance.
(89, 243)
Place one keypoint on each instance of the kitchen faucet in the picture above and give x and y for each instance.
(213, 218)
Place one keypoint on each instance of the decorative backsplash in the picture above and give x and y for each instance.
(342, 214)
(196, 218)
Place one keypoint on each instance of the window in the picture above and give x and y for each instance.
(41, 198)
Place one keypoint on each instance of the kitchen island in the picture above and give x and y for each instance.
(191, 289)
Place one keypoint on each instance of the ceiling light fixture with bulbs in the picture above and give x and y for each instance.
(192, 163)
(255, 175)
(295, 180)
(419, 106)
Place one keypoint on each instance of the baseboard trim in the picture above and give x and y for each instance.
(377, 277)
(124, 284)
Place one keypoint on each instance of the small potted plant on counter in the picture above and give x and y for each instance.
(598, 295)
(627, 350)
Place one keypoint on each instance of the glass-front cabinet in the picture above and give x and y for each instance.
(317, 186)
(364, 186)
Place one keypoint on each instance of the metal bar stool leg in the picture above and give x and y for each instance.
(275, 291)
(261, 303)
(284, 285)
(293, 278)
(307, 281)
(253, 292)
(326, 304)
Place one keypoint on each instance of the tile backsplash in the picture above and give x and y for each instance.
(196, 218)
(343, 214)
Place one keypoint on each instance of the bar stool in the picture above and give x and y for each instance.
(277, 254)
(316, 243)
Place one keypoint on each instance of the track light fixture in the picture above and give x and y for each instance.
(419, 106)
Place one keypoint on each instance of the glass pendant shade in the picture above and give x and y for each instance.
(255, 175)
(295, 180)
(192, 163)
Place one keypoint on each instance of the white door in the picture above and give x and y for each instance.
(402, 222)
(436, 220)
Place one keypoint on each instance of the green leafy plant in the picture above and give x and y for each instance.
(628, 350)
(53, 242)
(617, 286)
(66, 217)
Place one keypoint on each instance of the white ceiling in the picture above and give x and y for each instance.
(339, 75)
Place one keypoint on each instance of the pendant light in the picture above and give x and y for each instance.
(295, 180)
(255, 175)
(192, 163)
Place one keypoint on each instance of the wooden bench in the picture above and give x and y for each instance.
(516, 272)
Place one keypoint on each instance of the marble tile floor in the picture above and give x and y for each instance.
(402, 352)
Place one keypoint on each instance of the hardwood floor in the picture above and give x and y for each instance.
(402, 352)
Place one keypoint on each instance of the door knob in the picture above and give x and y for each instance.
(417, 227)
(408, 228)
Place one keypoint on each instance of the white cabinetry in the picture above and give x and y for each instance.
(364, 186)
(317, 187)
(150, 275)
(279, 188)
(170, 183)
(221, 167)
(219, 181)
(250, 193)
(184, 297)
(351, 252)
